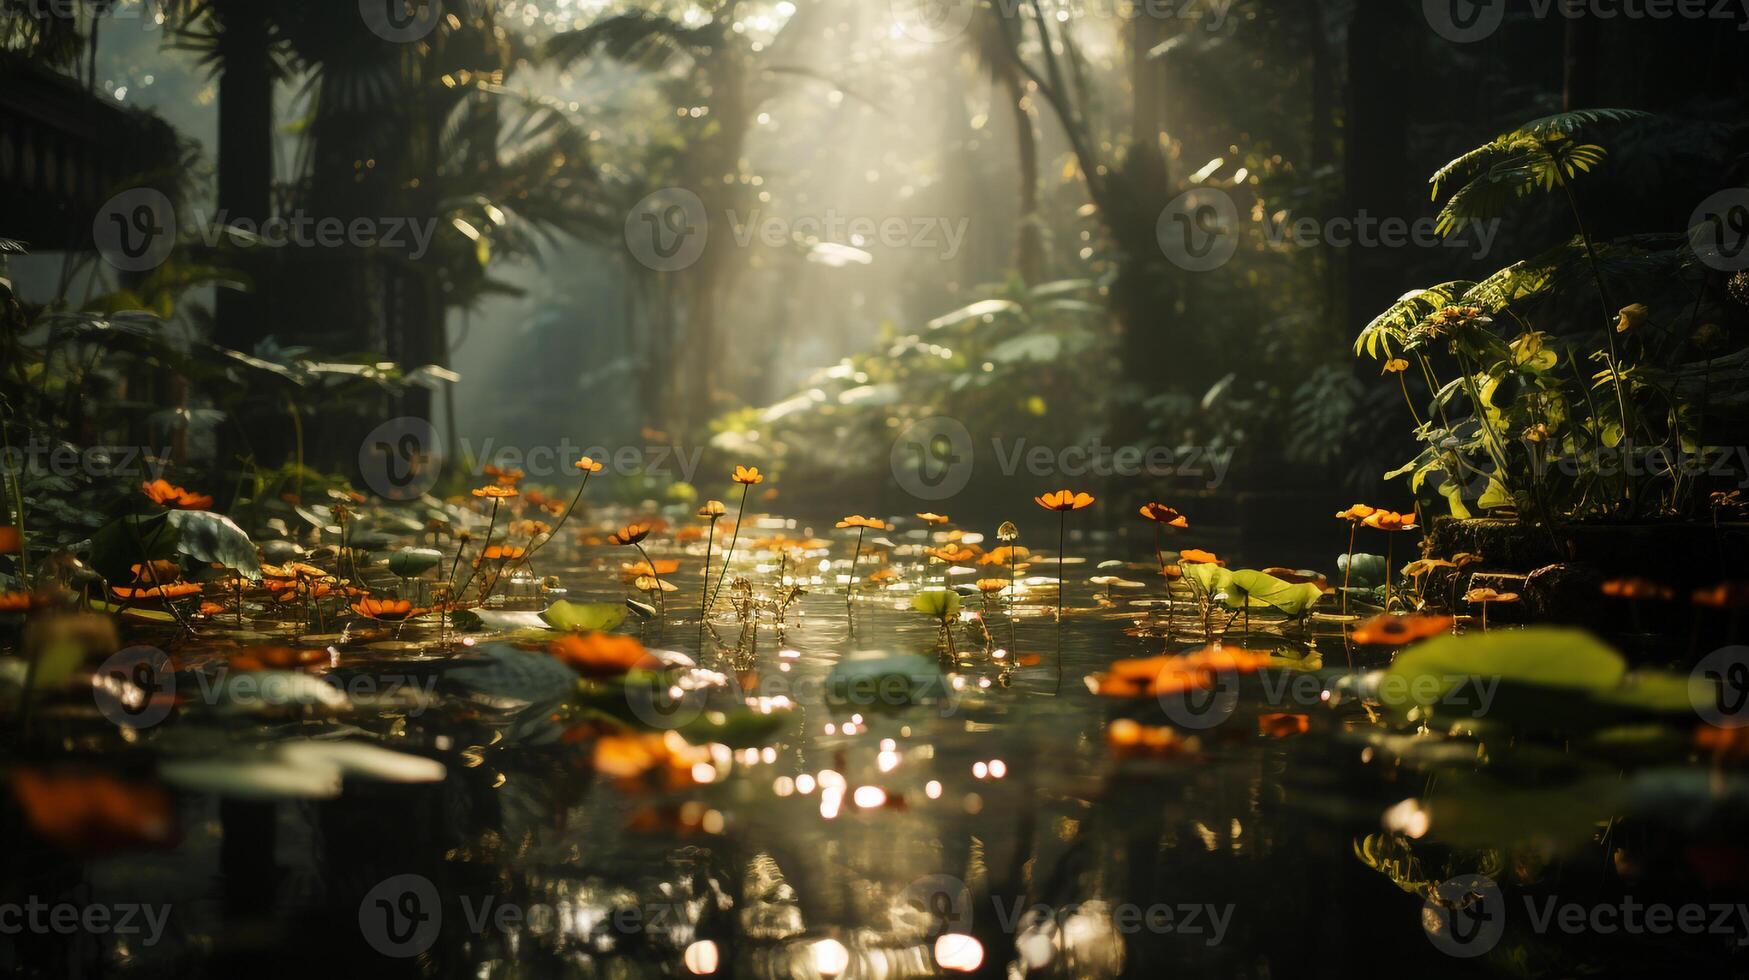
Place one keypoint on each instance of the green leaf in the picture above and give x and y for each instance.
(1289, 597)
(1551, 658)
(1209, 578)
(413, 562)
(215, 539)
(584, 616)
(940, 604)
(1364, 572)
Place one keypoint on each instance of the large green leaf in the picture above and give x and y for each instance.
(215, 539)
(1363, 572)
(413, 562)
(1289, 597)
(1551, 661)
(1209, 578)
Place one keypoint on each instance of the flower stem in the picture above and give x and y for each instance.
(855, 556)
(736, 536)
(661, 599)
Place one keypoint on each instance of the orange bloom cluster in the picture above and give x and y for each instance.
(92, 813)
(602, 654)
(173, 590)
(867, 523)
(495, 491)
(386, 610)
(1389, 520)
(165, 494)
(1158, 676)
(1390, 630)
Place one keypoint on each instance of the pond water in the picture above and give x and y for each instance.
(1009, 822)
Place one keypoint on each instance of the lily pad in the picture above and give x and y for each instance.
(215, 539)
(413, 562)
(937, 603)
(584, 616)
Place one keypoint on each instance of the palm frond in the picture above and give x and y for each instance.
(639, 38)
(1394, 324)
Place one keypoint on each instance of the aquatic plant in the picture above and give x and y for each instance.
(1063, 501)
(748, 477)
(862, 525)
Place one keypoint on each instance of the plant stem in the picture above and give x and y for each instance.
(704, 593)
(1348, 567)
(854, 557)
(491, 525)
(729, 555)
(661, 599)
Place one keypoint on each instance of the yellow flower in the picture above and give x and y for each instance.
(499, 492)
(932, 518)
(712, 509)
(1064, 500)
(588, 465)
(747, 476)
(1395, 365)
(868, 523)
(1631, 318)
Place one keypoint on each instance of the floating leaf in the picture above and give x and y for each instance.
(937, 603)
(584, 616)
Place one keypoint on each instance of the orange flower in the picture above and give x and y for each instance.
(1356, 513)
(386, 610)
(1725, 595)
(1064, 500)
(498, 492)
(529, 528)
(664, 758)
(16, 602)
(712, 509)
(1637, 588)
(502, 552)
(1162, 514)
(883, 575)
(664, 566)
(1283, 725)
(1196, 556)
(588, 465)
(988, 585)
(1008, 554)
(91, 813)
(633, 533)
(1388, 630)
(649, 583)
(1390, 520)
(953, 554)
(165, 494)
(1482, 597)
(175, 590)
(868, 523)
(159, 572)
(747, 476)
(932, 518)
(11, 540)
(1158, 676)
(280, 658)
(602, 654)
(1128, 737)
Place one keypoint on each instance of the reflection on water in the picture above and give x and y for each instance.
(1012, 824)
